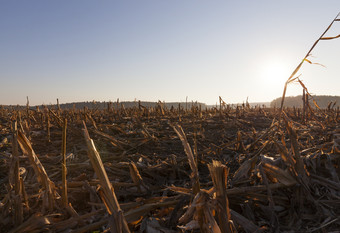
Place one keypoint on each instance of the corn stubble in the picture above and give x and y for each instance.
(160, 170)
(226, 169)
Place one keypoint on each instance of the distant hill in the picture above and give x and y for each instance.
(127, 104)
(252, 104)
(131, 104)
(296, 101)
(290, 101)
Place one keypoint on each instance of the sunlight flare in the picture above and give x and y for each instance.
(274, 73)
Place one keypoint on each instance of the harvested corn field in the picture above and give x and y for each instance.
(226, 169)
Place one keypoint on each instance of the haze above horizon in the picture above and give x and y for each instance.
(150, 50)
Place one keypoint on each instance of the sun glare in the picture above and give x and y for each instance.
(274, 73)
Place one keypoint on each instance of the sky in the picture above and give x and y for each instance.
(84, 50)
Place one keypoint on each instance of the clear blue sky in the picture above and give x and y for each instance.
(81, 50)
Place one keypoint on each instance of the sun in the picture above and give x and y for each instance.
(274, 73)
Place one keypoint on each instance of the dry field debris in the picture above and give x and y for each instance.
(225, 169)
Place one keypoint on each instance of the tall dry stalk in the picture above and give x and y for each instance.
(194, 175)
(28, 107)
(63, 166)
(40, 172)
(219, 176)
(15, 177)
(48, 126)
(291, 77)
(117, 220)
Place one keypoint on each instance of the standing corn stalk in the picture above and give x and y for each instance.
(117, 220)
(194, 175)
(219, 176)
(64, 169)
(291, 77)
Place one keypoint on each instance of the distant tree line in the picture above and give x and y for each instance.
(323, 101)
(126, 104)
